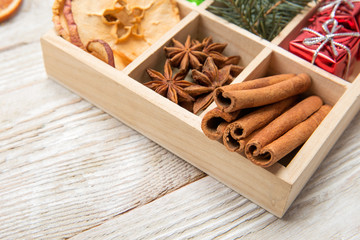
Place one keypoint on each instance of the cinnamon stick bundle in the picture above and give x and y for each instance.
(215, 121)
(296, 136)
(282, 124)
(248, 98)
(245, 125)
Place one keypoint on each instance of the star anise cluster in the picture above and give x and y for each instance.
(209, 69)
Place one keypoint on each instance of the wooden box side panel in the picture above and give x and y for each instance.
(342, 95)
(327, 134)
(160, 120)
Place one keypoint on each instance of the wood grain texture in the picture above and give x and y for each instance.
(326, 209)
(68, 163)
(67, 167)
(20, 67)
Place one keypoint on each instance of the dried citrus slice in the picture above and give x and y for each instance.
(8, 8)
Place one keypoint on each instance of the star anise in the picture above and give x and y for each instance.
(207, 81)
(183, 56)
(215, 50)
(169, 86)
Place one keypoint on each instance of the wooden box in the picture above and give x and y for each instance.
(123, 95)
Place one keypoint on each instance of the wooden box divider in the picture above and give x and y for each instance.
(123, 95)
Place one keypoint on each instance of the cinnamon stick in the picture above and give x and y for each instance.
(251, 84)
(245, 125)
(215, 121)
(282, 124)
(259, 118)
(238, 145)
(248, 98)
(296, 136)
(259, 82)
(244, 141)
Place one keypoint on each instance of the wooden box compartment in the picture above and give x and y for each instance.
(198, 27)
(123, 95)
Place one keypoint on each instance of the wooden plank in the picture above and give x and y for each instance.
(66, 166)
(327, 207)
(190, 212)
(20, 67)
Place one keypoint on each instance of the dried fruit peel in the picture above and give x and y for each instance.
(101, 50)
(8, 8)
(147, 20)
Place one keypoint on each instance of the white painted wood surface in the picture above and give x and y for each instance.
(67, 169)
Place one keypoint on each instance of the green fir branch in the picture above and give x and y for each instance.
(265, 18)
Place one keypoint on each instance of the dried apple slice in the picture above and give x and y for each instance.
(129, 27)
(8, 8)
(73, 30)
(101, 50)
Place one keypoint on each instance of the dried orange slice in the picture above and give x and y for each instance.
(8, 8)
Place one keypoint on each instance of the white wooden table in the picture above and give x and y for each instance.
(69, 170)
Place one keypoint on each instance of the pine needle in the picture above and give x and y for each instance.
(265, 18)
